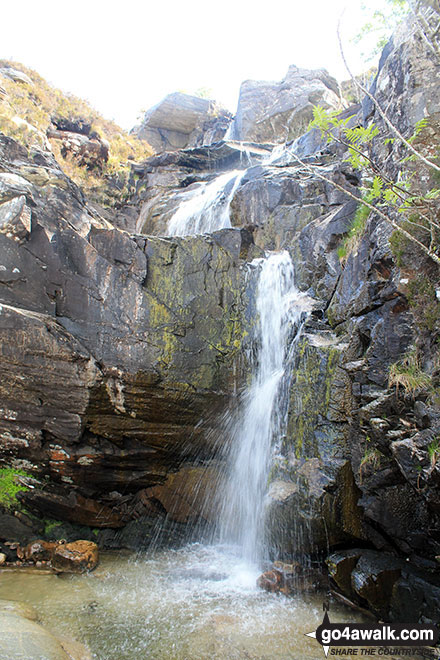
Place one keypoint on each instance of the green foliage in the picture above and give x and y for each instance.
(399, 245)
(351, 241)
(410, 208)
(379, 25)
(50, 525)
(408, 374)
(10, 486)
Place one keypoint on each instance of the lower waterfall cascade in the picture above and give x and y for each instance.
(259, 421)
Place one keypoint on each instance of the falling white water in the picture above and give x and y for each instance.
(258, 425)
(207, 209)
(278, 151)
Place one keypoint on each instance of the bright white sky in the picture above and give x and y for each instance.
(126, 56)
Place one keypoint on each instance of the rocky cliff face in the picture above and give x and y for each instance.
(117, 349)
(121, 345)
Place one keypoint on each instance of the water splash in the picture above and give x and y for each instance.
(207, 209)
(260, 418)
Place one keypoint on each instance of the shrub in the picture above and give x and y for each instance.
(10, 486)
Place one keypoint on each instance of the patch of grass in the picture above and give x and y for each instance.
(424, 305)
(434, 452)
(10, 486)
(371, 459)
(408, 374)
(352, 240)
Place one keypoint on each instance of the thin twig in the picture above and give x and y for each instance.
(384, 216)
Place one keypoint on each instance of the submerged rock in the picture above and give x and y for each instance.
(19, 608)
(22, 638)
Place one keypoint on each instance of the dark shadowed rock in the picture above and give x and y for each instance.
(72, 507)
(340, 566)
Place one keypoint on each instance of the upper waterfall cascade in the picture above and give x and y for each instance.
(207, 209)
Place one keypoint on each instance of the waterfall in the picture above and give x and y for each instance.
(207, 209)
(258, 425)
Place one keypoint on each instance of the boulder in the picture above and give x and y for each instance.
(38, 551)
(15, 75)
(72, 507)
(181, 121)
(14, 185)
(76, 557)
(15, 219)
(373, 580)
(271, 581)
(313, 498)
(281, 111)
(340, 566)
(187, 495)
(90, 152)
(22, 638)
(368, 577)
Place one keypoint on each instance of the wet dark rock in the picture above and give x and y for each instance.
(317, 478)
(340, 566)
(271, 581)
(113, 347)
(186, 496)
(373, 580)
(415, 599)
(116, 344)
(72, 507)
(367, 576)
(12, 529)
(146, 532)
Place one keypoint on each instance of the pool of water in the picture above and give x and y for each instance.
(196, 603)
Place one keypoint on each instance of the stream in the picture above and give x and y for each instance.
(195, 603)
